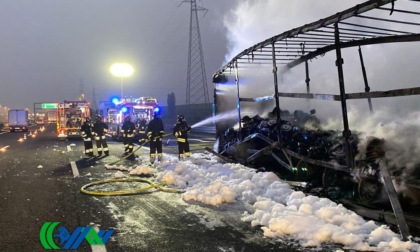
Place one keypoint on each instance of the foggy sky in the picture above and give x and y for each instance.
(49, 47)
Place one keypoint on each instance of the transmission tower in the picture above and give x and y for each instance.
(197, 91)
(82, 91)
(94, 102)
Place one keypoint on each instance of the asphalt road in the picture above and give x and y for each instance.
(38, 185)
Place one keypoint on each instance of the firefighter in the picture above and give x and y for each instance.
(127, 131)
(99, 131)
(181, 130)
(86, 131)
(141, 125)
(154, 133)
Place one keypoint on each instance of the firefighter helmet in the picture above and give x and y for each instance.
(181, 118)
(127, 118)
(98, 118)
(87, 119)
(246, 119)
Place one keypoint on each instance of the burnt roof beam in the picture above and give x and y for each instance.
(371, 41)
(375, 28)
(351, 34)
(363, 31)
(388, 20)
(310, 35)
(355, 10)
(400, 11)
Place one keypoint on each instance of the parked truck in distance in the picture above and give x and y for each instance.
(52, 116)
(18, 120)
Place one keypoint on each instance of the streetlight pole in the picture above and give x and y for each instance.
(122, 93)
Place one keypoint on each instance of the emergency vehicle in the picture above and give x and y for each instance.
(136, 108)
(70, 117)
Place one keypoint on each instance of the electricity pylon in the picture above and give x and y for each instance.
(197, 90)
(94, 103)
(82, 91)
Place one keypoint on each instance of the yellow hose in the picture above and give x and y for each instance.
(136, 149)
(158, 186)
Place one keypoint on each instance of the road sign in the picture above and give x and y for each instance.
(49, 105)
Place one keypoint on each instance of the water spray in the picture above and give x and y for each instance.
(213, 119)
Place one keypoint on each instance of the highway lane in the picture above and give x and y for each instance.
(39, 185)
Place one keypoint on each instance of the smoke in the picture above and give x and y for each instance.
(388, 66)
(254, 21)
(401, 135)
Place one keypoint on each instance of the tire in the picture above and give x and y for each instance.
(330, 178)
(368, 190)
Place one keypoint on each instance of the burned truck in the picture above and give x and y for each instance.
(274, 125)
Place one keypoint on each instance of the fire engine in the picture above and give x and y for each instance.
(70, 117)
(136, 108)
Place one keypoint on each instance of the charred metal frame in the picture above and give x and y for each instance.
(339, 63)
(336, 32)
(238, 101)
(276, 90)
(367, 88)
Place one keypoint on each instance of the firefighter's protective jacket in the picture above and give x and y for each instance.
(128, 128)
(141, 126)
(86, 131)
(155, 128)
(181, 130)
(100, 129)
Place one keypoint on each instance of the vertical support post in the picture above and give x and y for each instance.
(393, 198)
(367, 88)
(276, 92)
(307, 79)
(238, 102)
(339, 63)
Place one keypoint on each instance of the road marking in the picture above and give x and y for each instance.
(98, 248)
(74, 169)
(3, 149)
(199, 140)
(68, 148)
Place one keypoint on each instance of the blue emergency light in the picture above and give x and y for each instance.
(124, 109)
(115, 100)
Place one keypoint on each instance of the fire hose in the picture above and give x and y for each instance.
(158, 186)
(136, 149)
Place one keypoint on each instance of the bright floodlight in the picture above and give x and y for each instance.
(121, 70)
